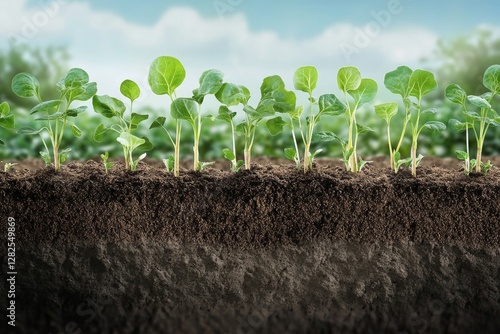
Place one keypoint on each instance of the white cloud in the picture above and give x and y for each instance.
(113, 49)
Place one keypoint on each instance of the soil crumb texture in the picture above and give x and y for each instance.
(271, 250)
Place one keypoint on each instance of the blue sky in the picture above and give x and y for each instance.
(246, 39)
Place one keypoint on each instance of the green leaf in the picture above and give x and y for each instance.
(184, 108)
(305, 79)
(330, 105)
(290, 154)
(434, 126)
(363, 129)
(479, 101)
(264, 109)
(133, 165)
(275, 125)
(491, 79)
(456, 94)
(429, 111)
(83, 93)
(165, 75)
(387, 111)
(316, 153)
(169, 163)
(75, 130)
(461, 155)
(297, 113)
(100, 132)
(130, 141)
(46, 158)
(422, 83)
(47, 107)
(230, 94)
(271, 85)
(76, 112)
(348, 79)
(45, 117)
(457, 125)
(324, 136)
(228, 154)
(4, 109)
(147, 146)
(26, 85)
(366, 92)
(225, 114)
(137, 119)
(130, 90)
(241, 129)
(158, 123)
(398, 81)
(28, 131)
(210, 83)
(7, 122)
(76, 77)
(108, 106)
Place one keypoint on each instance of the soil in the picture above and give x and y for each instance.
(270, 250)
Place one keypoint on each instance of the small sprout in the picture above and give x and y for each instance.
(169, 164)
(107, 165)
(114, 109)
(6, 118)
(166, 74)
(55, 114)
(7, 166)
(203, 165)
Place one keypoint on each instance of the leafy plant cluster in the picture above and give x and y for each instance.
(277, 110)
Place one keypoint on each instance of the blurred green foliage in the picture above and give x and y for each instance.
(462, 61)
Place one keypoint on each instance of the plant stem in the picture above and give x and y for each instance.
(414, 157)
(391, 153)
(57, 164)
(177, 147)
(310, 129)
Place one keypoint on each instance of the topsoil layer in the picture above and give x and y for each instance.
(264, 251)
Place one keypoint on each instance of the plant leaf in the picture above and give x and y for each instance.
(46, 158)
(348, 78)
(324, 136)
(158, 123)
(479, 101)
(26, 85)
(83, 93)
(100, 132)
(434, 126)
(330, 105)
(77, 111)
(48, 106)
(398, 81)
(108, 106)
(456, 94)
(264, 109)
(7, 122)
(366, 91)
(271, 85)
(75, 130)
(230, 94)
(130, 141)
(429, 111)
(184, 108)
(422, 82)
(461, 155)
(210, 83)
(28, 131)
(290, 154)
(4, 109)
(305, 79)
(457, 125)
(225, 114)
(165, 75)
(491, 79)
(275, 125)
(363, 129)
(228, 154)
(137, 119)
(130, 90)
(387, 111)
(147, 146)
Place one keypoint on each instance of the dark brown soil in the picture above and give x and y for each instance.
(264, 251)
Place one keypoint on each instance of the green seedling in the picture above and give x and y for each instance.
(6, 118)
(166, 74)
(107, 165)
(305, 80)
(189, 109)
(478, 122)
(7, 166)
(56, 114)
(114, 109)
(409, 84)
(231, 95)
(362, 91)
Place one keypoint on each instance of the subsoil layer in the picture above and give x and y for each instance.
(271, 250)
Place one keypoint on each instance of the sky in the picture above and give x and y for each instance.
(248, 40)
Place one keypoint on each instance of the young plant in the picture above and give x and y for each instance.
(231, 95)
(107, 165)
(114, 109)
(166, 74)
(409, 84)
(56, 114)
(478, 122)
(7, 166)
(362, 91)
(189, 109)
(6, 118)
